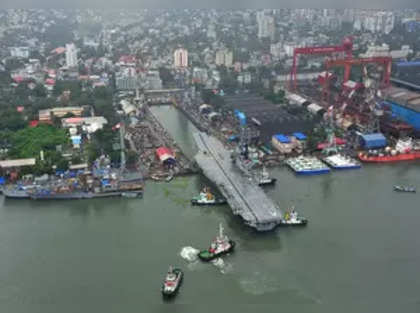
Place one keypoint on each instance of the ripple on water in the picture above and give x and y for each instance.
(259, 283)
(222, 266)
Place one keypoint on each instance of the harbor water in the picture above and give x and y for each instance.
(359, 252)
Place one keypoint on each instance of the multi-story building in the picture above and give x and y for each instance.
(266, 25)
(375, 21)
(376, 51)
(126, 83)
(200, 75)
(153, 81)
(71, 55)
(289, 48)
(211, 32)
(181, 58)
(127, 79)
(276, 50)
(224, 57)
(19, 52)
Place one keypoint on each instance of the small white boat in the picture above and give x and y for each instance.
(265, 178)
(207, 198)
(291, 218)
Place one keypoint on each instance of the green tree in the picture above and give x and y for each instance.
(28, 142)
(75, 88)
(166, 76)
(39, 91)
(132, 158)
(12, 120)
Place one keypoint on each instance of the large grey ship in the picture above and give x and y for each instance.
(245, 198)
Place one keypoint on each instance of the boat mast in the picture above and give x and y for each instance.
(331, 143)
(220, 231)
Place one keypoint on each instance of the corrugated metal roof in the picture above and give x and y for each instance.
(299, 136)
(282, 138)
(415, 101)
(17, 163)
(78, 166)
(375, 140)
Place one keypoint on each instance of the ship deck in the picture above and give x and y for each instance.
(244, 197)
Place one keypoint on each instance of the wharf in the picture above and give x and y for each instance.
(244, 197)
(148, 135)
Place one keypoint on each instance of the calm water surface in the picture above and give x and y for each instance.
(359, 253)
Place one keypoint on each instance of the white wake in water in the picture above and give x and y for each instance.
(189, 254)
(222, 266)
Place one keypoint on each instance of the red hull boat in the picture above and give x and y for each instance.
(409, 156)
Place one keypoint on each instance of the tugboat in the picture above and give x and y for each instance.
(207, 198)
(404, 189)
(220, 246)
(172, 282)
(291, 218)
(265, 179)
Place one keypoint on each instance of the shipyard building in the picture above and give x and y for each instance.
(405, 105)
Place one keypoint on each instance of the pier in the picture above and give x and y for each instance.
(244, 197)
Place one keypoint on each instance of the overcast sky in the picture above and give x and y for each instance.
(229, 4)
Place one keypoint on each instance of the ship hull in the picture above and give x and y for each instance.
(169, 294)
(312, 172)
(301, 222)
(345, 167)
(15, 194)
(390, 158)
(80, 196)
(268, 183)
(217, 202)
(203, 256)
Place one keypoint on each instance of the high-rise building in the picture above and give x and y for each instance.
(153, 81)
(211, 32)
(375, 21)
(127, 79)
(19, 52)
(71, 55)
(276, 50)
(224, 57)
(181, 57)
(266, 25)
(200, 75)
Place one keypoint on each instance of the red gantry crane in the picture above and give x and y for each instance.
(385, 62)
(346, 47)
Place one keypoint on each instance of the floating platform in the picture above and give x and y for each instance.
(342, 162)
(304, 165)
